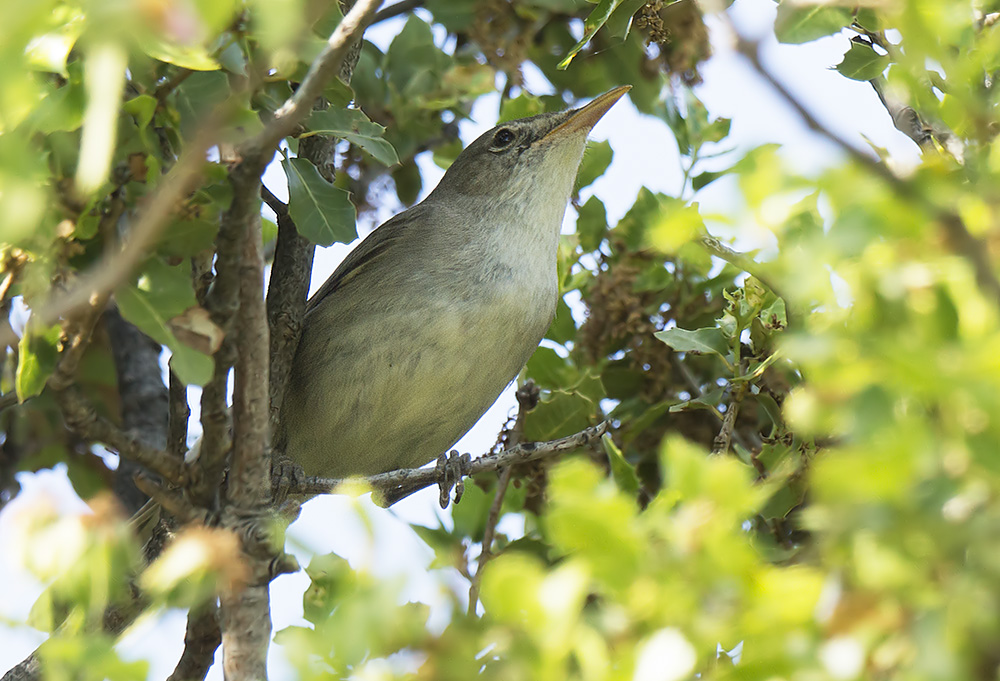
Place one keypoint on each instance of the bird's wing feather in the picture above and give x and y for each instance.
(381, 241)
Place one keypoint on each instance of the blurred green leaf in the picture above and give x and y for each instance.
(522, 106)
(861, 62)
(38, 353)
(161, 293)
(621, 470)
(591, 224)
(620, 21)
(801, 23)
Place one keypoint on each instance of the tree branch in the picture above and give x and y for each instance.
(395, 10)
(201, 638)
(414, 479)
(250, 470)
(286, 300)
(114, 268)
(323, 68)
(84, 420)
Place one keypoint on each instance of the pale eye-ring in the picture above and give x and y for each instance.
(503, 138)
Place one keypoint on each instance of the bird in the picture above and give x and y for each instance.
(423, 324)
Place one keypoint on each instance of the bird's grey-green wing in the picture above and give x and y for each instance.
(371, 249)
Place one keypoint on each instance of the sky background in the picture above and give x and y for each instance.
(645, 154)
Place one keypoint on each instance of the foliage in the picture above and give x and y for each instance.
(804, 462)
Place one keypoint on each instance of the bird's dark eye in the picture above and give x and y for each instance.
(502, 138)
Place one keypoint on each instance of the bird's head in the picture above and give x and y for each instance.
(537, 154)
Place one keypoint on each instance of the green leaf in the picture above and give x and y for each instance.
(559, 414)
(199, 94)
(549, 370)
(322, 213)
(798, 24)
(353, 126)
(406, 177)
(162, 293)
(709, 401)
(861, 62)
(454, 15)
(868, 18)
(621, 470)
(592, 224)
(708, 340)
(717, 130)
(706, 178)
(142, 108)
(470, 514)
(413, 62)
(591, 25)
(38, 353)
(596, 160)
(194, 57)
(522, 106)
(563, 327)
(184, 238)
(620, 22)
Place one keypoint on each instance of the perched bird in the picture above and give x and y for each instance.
(424, 324)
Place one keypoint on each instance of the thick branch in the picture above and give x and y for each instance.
(143, 400)
(201, 638)
(286, 300)
(250, 472)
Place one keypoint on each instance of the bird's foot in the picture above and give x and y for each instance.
(451, 471)
(286, 475)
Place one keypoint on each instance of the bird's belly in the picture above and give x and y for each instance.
(410, 394)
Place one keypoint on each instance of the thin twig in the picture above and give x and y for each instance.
(83, 419)
(527, 399)
(113, 269)
(395, 10)
(722, 441)
(962, 241)
(170, 500)
(323, 68)
(419, 478)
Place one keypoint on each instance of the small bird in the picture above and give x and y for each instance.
(424, 324)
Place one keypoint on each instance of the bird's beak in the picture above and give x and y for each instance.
(586, 117)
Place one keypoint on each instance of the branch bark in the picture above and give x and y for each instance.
(413, 479)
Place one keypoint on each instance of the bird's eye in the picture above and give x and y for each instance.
(502, 138)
